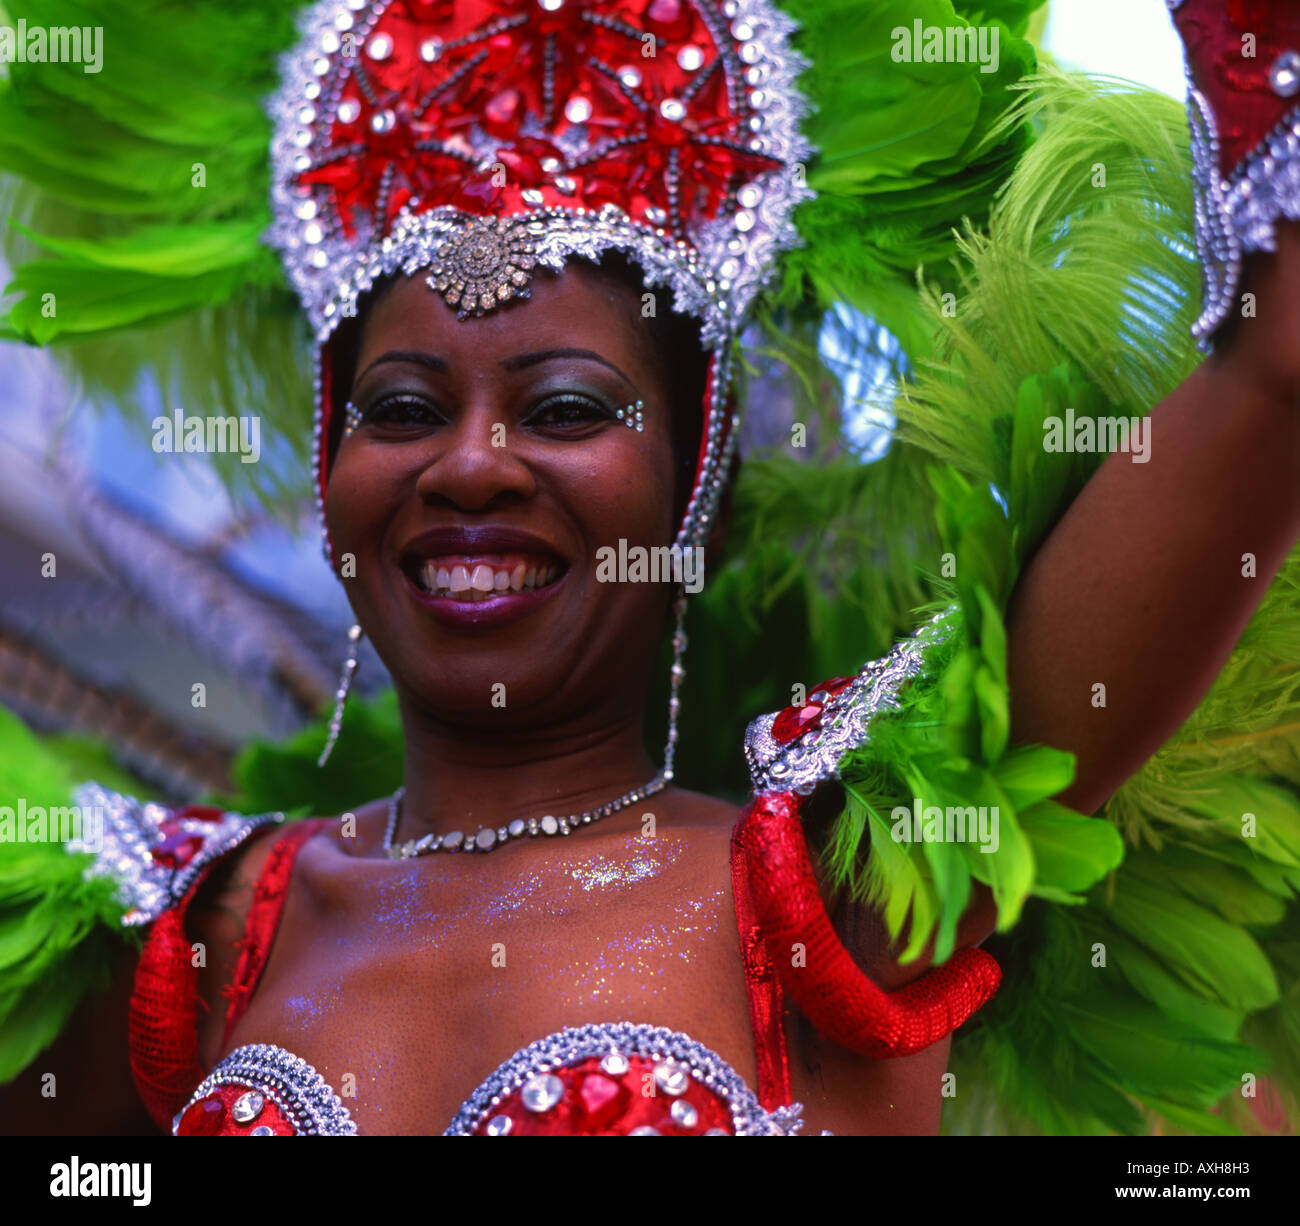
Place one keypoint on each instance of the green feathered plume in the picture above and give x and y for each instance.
(137, 196)
(58, 932)
(906, 150)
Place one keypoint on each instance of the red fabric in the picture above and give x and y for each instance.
(263, 919)
(1236, 84)
(326, 410)
(163, 1029)
(163, 1021)
(838, 998)
(766, 1005)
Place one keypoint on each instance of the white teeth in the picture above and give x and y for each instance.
(482, 580)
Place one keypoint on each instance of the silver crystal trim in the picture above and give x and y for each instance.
(131, 831)
(1237, 215)
(300, 1092)
(573, 1045)
(845, 722)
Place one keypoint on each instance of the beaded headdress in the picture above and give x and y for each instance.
(475, 142)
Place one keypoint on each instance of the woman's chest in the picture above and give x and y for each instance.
(407, 989)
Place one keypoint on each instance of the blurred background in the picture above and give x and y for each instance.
(164, 584)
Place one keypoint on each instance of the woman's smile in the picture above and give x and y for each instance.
(514, 594)
(483, 575)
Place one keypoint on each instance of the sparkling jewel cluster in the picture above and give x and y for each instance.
(154, 853)
(796, 749)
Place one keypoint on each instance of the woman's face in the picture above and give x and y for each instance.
(487, 472)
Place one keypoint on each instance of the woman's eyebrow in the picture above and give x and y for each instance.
(406, 355)
(524, 360)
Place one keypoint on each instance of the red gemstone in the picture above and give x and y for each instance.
(501, 115)
(431, 10)
(833, 686)
(793, 722)
(203, 1119)
(601, 1100)
(668, 19)
(563, 20)
(177, 850)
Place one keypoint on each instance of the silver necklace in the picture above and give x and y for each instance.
(488, 838)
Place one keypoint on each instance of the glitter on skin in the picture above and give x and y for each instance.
(305, 1012)
(649, 858)
(658, 941)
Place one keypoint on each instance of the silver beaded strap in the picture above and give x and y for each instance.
(800, 765)
(123, 848)
(1238, 215)
(304, 1096)
(678, 1057)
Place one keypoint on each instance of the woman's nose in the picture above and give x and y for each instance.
(477, 464)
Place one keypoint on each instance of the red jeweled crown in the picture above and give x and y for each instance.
(475, 140)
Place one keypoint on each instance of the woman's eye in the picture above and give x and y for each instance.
(402, 411)
(570, 410)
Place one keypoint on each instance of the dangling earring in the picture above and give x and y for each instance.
(341, 696)
(679, 671)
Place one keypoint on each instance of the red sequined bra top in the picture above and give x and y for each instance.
(615, 1079)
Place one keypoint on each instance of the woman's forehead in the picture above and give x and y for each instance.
(580, 307)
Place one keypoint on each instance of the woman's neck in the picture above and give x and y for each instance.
(463, 779)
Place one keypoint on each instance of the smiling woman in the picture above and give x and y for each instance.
(528, 238)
